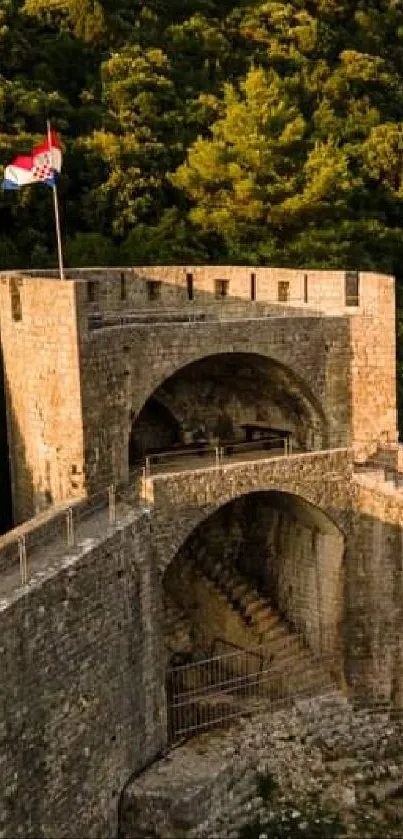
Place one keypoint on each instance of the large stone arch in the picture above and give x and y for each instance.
(299, 345)
(140, 359)
(242, 384)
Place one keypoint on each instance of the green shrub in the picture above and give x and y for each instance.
(266, 785)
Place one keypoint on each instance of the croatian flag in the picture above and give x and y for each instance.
(38, 167)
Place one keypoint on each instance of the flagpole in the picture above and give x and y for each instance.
(57, 218)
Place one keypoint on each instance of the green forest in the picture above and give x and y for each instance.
(208, 131)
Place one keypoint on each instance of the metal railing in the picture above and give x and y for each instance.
(221, 308)
(143, 316)
(213, 692)
(215, 455)
(89, 517)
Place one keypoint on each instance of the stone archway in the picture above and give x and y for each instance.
(223, 392)
(288, 550)
(254, 596)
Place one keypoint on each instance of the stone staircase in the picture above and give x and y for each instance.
(213, 683)
(292, 665)
(177, 630)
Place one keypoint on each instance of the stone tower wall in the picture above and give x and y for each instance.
(373, 371)
(38, 329)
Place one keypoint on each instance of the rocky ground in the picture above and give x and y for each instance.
(317, 769)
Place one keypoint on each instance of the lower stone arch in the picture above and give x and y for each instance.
(187, 501)
(286, 585)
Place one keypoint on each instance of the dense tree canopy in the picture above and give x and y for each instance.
(207, 130)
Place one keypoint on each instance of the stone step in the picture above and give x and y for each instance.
(274, 633)
(253, 604)
(279, 646)
(262, 622)
(264, 610)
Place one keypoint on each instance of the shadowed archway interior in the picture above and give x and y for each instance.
(220, 393)
(253, 610)
(270, 547)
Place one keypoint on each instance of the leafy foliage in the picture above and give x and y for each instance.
(250, 131)
(266, 785)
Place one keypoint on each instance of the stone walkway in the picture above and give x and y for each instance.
(183, 463)
(46, 559)
(48, 556)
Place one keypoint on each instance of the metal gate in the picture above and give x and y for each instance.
(213, 691)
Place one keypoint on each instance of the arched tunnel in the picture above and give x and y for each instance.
(265, 574)
(217, 396)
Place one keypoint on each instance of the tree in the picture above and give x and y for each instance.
(236, 177)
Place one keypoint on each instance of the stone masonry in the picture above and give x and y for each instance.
(82, 660)
(83, 356)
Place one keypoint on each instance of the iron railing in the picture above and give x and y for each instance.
(214, 455)
(71, 525)
(210, 693)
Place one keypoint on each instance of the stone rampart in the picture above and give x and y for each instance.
(124, 287)
(374, 592)
(81, 687)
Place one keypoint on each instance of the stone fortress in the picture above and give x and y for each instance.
(202, 459)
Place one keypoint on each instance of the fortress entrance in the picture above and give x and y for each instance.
(240, 400)
(253, 610)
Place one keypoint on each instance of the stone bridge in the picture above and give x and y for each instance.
(182, 501)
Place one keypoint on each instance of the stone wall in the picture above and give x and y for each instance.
(42, 381)
(120, 289)
(81, 687)
(374, 593)
(122, 367)
(373, 375)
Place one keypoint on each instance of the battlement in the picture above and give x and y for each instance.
(106, 294)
